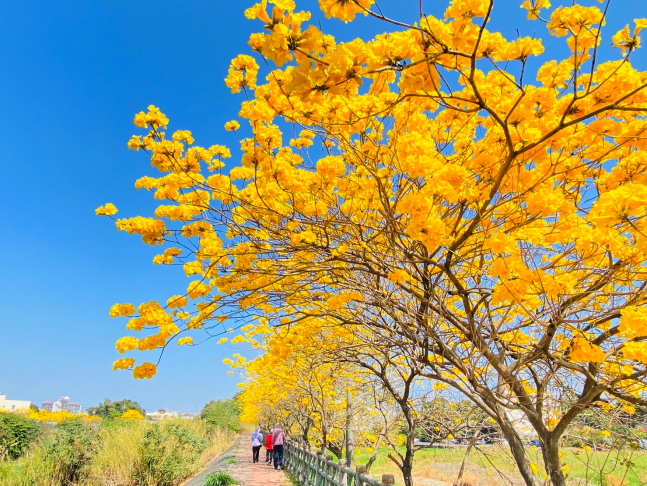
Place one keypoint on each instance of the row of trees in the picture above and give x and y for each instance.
(446, 209)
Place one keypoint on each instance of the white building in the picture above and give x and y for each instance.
(521, 424)
(62, 404)
(162, 414)
(12, 405)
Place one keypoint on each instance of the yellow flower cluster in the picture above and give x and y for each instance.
(122, 310)
(242, 74)
(132, 415)
(145, 370)
(106, 210)
(45, 416)
(153, 118)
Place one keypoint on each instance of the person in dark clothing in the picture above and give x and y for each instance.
(278, 437)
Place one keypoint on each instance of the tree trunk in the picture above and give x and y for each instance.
(349, 431)
(336, 449)
(518, 451)
(407, 466)
(550, 453)
(407, 460)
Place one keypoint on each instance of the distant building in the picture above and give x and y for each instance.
(62, 404)
(521, 424)
(162, 414)
(11, 405)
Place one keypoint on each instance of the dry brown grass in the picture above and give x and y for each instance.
(447, 474)
(615, 481)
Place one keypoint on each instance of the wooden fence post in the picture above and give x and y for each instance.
(360, 470)
(318, 481)
(388, 479)
(328, 471)
(341, 478)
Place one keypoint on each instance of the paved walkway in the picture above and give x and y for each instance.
(258, 474)
(218, 464)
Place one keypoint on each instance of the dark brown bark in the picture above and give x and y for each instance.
(518, 451)
(550, 453)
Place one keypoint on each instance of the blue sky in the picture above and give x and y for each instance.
(72, 75)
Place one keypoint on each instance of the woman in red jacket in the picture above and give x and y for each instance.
(269, 453)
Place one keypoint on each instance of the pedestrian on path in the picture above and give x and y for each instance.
(268, 448)
(257, 440)
(278, 437)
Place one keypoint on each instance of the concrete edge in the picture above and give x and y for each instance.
(215, 465)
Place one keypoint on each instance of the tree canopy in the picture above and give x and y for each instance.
(222, 413)
(111, 410)
(432, 203)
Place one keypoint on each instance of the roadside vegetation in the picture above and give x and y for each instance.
(122, 450)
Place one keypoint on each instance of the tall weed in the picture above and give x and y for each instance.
(119, 455)
(70, 451)
(168, 453)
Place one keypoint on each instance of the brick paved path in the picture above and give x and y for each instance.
(255, 474)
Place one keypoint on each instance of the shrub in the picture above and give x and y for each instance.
(16, 433)
(222, 413)
(70, 451)
(219, 479)
(167, 453)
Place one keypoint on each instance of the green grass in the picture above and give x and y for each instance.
(605, 468)
(219, 479)
(293, 479)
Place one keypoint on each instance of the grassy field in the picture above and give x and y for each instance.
(493, 466)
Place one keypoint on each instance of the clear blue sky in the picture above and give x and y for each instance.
(72, 75)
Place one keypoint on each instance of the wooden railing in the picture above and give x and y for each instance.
(315, 469)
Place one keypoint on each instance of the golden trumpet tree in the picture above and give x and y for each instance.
(317, 399)
(432, 187)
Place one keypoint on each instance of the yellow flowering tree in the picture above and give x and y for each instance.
(434, 189)
(132, 415)
(317, 399)
(60, 416)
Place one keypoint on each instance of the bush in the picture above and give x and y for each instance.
(70, 451)
(167, 453)
(222, 413)
(219, 479)
(16, 433)
(112, 410)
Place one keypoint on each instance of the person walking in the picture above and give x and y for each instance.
(278, 437)
(257, 440)
(268, 448)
